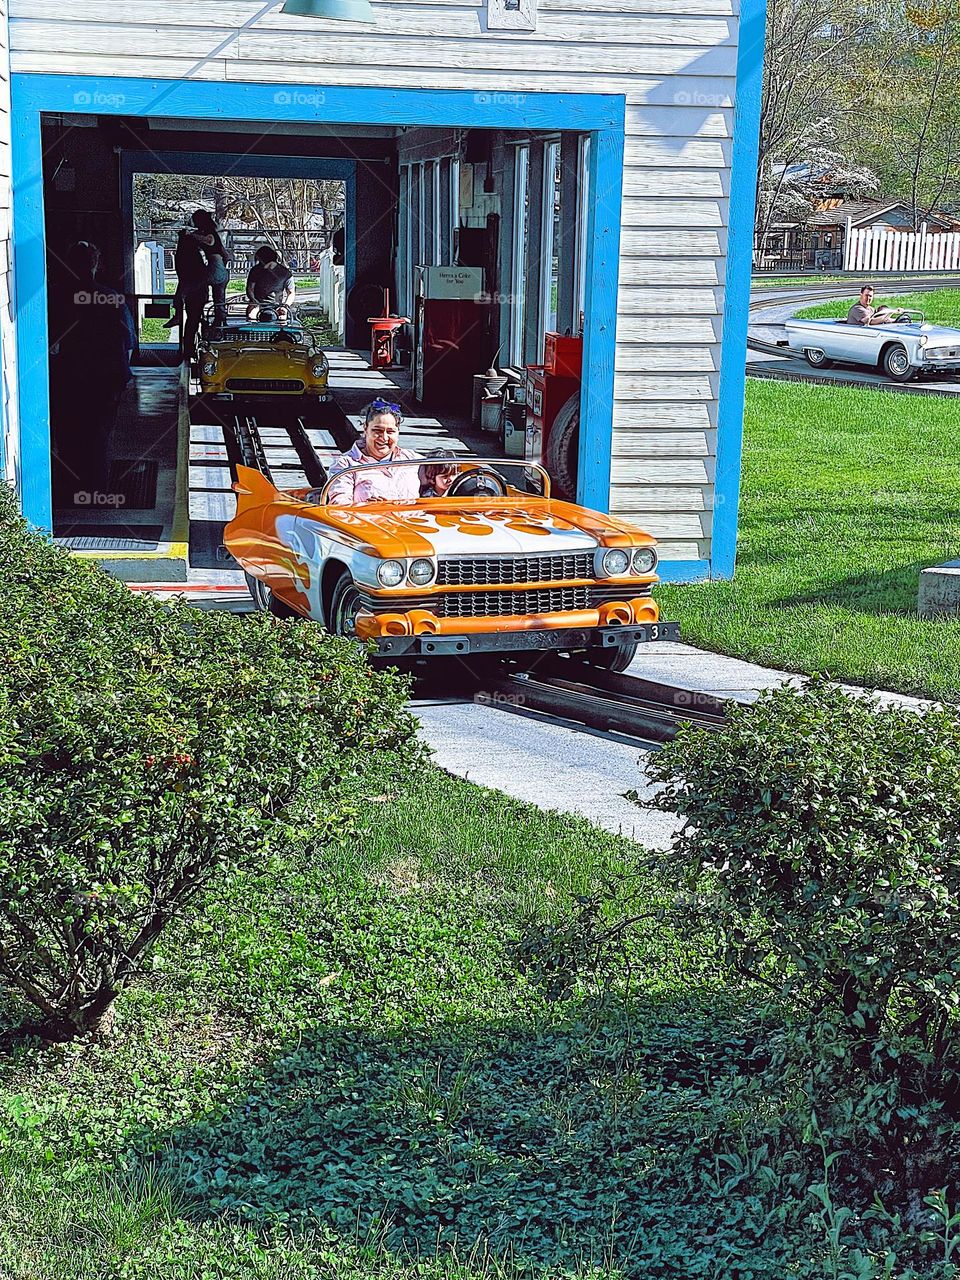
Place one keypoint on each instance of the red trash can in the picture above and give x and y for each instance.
(383, 335)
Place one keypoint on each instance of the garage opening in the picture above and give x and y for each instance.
(301, 219)
(442, 269)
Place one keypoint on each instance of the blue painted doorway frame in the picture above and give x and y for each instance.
(602, 115)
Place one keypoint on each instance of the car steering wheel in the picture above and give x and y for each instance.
(478, 482)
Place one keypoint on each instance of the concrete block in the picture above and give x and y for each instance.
(940, 589)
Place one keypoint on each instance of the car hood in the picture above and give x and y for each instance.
(939, 333)
(478, 528)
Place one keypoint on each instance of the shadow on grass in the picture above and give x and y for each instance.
(883, 591)
(554, 1148)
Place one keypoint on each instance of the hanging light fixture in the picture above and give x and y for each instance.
(343, 10)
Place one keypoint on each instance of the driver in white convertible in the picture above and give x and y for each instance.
(380, 443)
(864, 312)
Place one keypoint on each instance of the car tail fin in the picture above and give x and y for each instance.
(253, 489)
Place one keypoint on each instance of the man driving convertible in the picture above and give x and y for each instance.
(864, 312)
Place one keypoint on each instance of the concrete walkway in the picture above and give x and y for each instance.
(571, 770)
(720, 676)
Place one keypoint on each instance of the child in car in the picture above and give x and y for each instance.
(436, 478)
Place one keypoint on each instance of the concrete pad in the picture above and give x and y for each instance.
(699, 671)
(940, 589)
(553, 766)
(720, 676)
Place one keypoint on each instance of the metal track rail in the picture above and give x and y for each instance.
(246, 447)
(313, 468)
(644, 711)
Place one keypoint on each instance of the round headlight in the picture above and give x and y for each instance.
(390, 573)
(614, 562)
(923, 339)
(420, 573)
(320, 367)
(209, 367)
(644, 560)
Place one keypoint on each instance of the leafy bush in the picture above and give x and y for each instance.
(822, 835)
(142, 748)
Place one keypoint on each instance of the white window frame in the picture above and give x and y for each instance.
(421, 213)
(583, 221)
(453, 212)
(437, 252)
(518, 253)
(551, 158)
(406, 240)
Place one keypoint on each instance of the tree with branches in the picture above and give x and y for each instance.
(806, 90)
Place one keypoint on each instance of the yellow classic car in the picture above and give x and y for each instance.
(262, 360)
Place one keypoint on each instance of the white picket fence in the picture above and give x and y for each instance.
(331, 281)
(880, 249)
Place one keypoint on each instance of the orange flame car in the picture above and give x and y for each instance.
(489, 567)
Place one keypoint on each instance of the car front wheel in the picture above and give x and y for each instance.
(345, 604)
(613, 658)
(897, 364)
(816, 358)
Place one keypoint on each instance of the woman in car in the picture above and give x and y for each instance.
(380, 443)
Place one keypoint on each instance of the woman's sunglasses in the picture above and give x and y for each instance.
(383, 406)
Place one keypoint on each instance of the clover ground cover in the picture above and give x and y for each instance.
(342, 1067)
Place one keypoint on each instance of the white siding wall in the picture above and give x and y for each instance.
(8, 357)
(675, 62)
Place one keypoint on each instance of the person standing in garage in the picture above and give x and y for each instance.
(193, 281)
(218, 272)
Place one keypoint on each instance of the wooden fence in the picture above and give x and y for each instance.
(331, 281)
(880, 249)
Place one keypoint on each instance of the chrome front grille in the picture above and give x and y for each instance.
(481, 604)
(486, 604)
(264, 384)
(248, 337)
(493, 604)
(494, 571)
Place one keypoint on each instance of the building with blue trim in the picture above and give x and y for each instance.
(469, 119)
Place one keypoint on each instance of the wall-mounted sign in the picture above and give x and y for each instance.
(512, 15)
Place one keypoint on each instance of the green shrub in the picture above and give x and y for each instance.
(145, 746)
(822, 836)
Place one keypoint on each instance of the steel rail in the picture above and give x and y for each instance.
(569, 692)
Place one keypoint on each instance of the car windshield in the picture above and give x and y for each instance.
(431, 478)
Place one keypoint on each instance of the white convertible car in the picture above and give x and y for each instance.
(901, 349)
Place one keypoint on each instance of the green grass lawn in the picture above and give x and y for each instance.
(941, 306)
(847, 494)
(778, 282)
(346, 1067)
(306, 282)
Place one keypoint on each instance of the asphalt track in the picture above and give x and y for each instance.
(770, 308)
